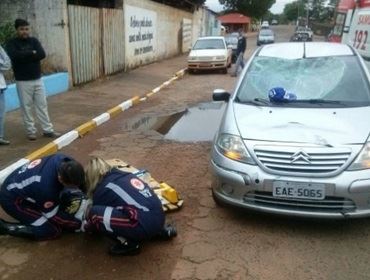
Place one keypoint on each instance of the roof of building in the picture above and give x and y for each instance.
(236, 18)
(182, 4)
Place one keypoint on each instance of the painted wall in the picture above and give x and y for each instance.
(161, 40)
(51, 27)
(187, 34)
(198, 28)
(213, 25)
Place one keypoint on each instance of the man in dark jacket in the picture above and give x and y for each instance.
(242, 46)
(26, 53)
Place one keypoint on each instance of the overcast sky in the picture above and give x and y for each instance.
(277, 8)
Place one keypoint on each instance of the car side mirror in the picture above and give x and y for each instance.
(190, 48)
(220, 95)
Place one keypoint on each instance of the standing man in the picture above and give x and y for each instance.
(242, 46)
(4, 66)
(26, 53)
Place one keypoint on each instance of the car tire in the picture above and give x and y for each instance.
(224, 71)
(191, 71)
(217, 201)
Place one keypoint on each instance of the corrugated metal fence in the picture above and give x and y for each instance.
(113, 41)
(97, 42)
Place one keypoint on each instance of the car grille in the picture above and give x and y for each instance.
(307, 161)
(205, 58)
(329, 204)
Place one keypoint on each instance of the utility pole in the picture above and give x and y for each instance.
(307, 13)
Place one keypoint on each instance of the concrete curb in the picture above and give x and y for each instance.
(85, 128)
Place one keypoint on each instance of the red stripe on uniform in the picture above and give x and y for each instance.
(27, 211)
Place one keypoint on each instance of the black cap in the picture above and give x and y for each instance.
(20, 22)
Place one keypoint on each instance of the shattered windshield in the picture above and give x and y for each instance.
(337, 79)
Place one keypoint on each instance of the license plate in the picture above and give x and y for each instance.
(298, 190)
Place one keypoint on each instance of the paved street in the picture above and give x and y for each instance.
(213, 242)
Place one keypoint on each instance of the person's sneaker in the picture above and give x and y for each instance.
(168, 232)
(4, 142)
(53, 134)
(32, 137)
(127, 248)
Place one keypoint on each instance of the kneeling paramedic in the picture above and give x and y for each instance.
(124, 208)
(32, 194)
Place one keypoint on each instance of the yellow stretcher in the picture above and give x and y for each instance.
(169, 197)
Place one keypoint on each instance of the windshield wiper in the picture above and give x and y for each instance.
(256, 101)
(318, 101)
(261, 100)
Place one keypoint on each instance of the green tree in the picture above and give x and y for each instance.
(317, 9)
(333, 3)
(251, 8)
(6, 32)
(294, 10)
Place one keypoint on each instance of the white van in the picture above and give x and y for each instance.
(265, 24)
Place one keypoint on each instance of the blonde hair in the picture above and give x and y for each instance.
(94, 172)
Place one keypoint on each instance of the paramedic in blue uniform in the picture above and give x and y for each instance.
(31, 194)
(123, 208)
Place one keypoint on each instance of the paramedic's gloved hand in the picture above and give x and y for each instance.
(279, 94)
(74, 202)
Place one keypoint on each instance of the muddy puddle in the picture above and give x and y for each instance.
(195, 124)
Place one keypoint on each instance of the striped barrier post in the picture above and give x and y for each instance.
(67, 138)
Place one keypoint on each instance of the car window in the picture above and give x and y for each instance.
(209, 44)
(266, 32)
(340, 79)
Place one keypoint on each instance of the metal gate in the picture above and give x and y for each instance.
(113, 41)
(97, 42)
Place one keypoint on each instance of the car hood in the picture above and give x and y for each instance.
(210, 52)
(321, 126)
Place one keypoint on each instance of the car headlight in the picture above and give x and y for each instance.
(232, 147)
(220, 57)
(192, 58)
(363, 159)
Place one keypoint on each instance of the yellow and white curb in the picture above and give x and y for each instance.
(69, 137)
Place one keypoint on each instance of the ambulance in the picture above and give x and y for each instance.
(359, 31)
(352, 26)
(343, 18)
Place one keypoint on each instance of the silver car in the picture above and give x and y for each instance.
(306, 154)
